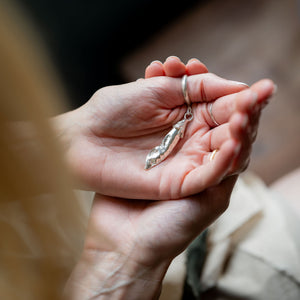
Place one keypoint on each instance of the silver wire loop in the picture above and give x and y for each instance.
(188, 116)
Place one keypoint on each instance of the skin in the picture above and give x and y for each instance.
(250, 104)
(134, 241)
(109, 137)
(173, 67)
(156, 221)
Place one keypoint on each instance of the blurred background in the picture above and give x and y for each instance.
(97, 43)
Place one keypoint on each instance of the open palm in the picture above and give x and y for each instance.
(124, 124)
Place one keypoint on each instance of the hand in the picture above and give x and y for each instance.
(92, 142)
(133, 242)
(110, 136)
(130, 244)
(249, 106)
(154, 231)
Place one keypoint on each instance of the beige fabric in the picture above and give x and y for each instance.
(254, 252)
(254, 248)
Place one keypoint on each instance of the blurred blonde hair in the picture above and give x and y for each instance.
(41, 222)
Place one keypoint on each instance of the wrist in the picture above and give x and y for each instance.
(110, 275)
(69, 130)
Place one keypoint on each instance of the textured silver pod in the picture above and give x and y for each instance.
(161, 152)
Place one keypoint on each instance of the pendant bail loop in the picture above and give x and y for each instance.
(188, 116)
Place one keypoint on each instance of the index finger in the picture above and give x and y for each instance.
(201, 88)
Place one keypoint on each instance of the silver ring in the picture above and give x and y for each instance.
(211, 114)
(184, 90)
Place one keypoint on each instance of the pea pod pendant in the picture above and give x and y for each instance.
(161, 152)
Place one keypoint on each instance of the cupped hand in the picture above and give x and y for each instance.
(250, 105)
(116, 129)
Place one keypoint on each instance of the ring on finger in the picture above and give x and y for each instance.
(184, 90)
(213, 154)
(211, 114)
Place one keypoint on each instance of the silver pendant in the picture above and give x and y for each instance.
(161, 152)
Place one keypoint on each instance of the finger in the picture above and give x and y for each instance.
(221, 110)
(174, 67)
(250, 101)
(236, 129)
(265, 88)
(239, 129)
(245, 136)
(155, 69)
(212, 172)
(201, 88)
(195, 66)
(208, 87)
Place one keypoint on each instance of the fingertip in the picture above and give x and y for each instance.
(174, 67)
(264, 88)
(267, 84)
(195, 66)
(155, 69)
(173, 57)
(275, 89)
(191, 60)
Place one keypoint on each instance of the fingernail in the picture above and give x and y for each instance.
(156, 62)
(240, 83)
(193, 59)
(172, 57)
(275, 89)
